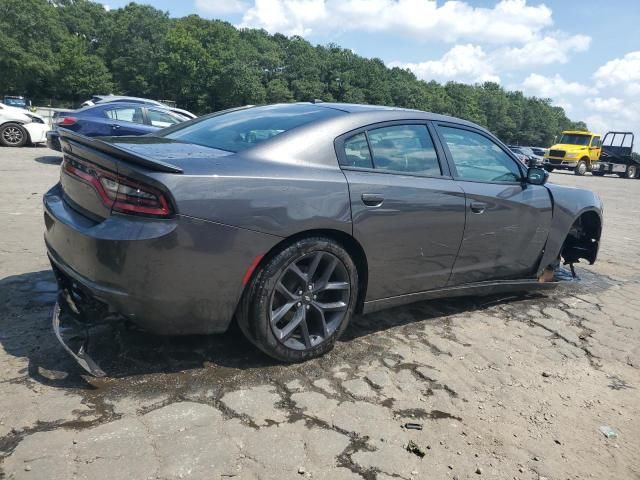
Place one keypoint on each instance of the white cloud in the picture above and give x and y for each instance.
(472, 63)
(608, 105)
(463, 63)
(220, 7)
(451, 21)
(290, 17)
(553, 87)
(544, 50)
(622, 72)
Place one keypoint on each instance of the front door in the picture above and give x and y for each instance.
(595, 148)
(508, 221)
(407, 213)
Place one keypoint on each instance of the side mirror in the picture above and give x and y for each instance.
(537, 176)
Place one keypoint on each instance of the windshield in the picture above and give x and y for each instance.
(575, 139)
(241, 129)
(15, 102)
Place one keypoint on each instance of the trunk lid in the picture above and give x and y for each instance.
(90, 164)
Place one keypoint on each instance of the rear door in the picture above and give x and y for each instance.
(126, 120)
(407, 211)
(508, 221)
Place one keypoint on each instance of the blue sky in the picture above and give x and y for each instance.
(585, 55)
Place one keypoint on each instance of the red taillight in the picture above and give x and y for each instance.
(67, 121)
(118, 192)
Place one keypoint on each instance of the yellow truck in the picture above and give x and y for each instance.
(575, 151)
(585, 152)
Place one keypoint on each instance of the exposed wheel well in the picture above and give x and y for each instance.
(583, 239)
(350, 244)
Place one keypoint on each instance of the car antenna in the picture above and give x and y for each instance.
(317, 100)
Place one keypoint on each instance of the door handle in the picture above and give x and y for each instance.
(372, 199)
(114, 126)
(478, 207)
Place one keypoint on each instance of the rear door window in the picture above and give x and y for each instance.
(405, 149)
(125, 114)
(357, 152)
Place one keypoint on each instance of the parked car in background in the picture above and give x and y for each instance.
(99, 99)
(16, 101)
(290, 218)
(19, 127)
(534, 159)
(520, 154)
(114, 119)
(539, 151)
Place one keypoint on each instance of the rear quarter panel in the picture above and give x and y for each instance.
(266, 196)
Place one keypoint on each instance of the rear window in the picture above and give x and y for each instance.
(242, 129)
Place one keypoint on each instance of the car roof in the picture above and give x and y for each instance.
(381, 113)
(123, 104)
(120, 98)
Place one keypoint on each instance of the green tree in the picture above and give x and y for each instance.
(79, 73)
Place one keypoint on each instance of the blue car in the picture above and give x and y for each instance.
(112, 120)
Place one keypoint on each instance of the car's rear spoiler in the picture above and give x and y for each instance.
(68, 138)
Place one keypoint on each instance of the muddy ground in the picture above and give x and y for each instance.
(504, 387)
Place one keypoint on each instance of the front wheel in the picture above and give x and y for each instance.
(13, 135)
(581, 168)
(301, 300)
(548, 168)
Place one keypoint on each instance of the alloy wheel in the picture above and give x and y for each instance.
(310, 300)
(12, 135)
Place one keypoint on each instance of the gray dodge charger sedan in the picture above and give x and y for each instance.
(292, 218)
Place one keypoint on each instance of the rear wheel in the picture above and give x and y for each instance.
(632, 171)
(13, 135)
(301, 300)
(549, 169)
(581, 167)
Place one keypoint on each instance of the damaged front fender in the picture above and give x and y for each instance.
(576, 227)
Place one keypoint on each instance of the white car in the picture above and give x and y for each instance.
(19, 127)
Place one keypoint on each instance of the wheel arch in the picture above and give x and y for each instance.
(348, 242)
(582, 241)
(21, 124)
(573, 210)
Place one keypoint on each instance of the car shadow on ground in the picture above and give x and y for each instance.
(124, 351)
(50, 159)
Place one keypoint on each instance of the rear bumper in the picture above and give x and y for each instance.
(53, 140)
(175, 276)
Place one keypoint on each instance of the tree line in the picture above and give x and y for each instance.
(72, 49)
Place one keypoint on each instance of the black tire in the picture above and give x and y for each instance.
(549, 169)
(631, 172)
(13, 135)
(256, 310)
(581, 168)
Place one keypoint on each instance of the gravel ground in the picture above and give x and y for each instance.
(505, 387)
